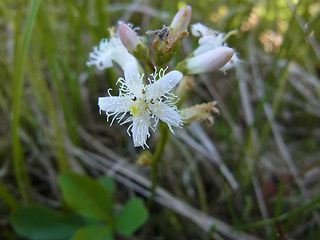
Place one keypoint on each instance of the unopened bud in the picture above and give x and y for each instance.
(234, 61)
(181, 20)
(208, 61)
(132, 42)
(128, 37)
(166, 45)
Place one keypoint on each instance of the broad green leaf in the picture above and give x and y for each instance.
(131, 217)
(36, 222)
(107, 182)
(86, 196)
(93, 233)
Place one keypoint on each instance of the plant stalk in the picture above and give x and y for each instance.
(164, 135)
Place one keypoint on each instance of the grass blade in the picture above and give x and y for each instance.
(19, 64)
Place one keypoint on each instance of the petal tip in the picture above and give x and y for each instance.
(176, 74)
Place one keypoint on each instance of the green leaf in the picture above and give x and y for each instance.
(131, 217)
(93, 233)
(86, 196)
(36, 222)
(107, 182)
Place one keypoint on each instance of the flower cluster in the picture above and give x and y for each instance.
(145, 90)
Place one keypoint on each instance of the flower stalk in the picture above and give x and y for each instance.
(163, 138)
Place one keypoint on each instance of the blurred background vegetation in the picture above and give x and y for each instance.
(256, 170)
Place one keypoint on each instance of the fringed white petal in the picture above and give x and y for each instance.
(214, 38)
(209, 39)
(110, 50)
(140, 130)
(114, 104)
(120, 53)
(167, 114)
(198, 29)
(122, 56)
(163, 85)
(133, 80)
(100, 58)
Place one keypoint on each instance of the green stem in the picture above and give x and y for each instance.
(156, 157)
(150, 65)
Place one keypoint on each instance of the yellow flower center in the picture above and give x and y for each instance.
(139, 106)
(134, 109)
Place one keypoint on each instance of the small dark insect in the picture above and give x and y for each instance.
(161, 33)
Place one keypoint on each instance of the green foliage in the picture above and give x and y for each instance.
(132, 215)
(107, 183)
(37, 222)
(86, 196)
(93, 233)
(89, 198)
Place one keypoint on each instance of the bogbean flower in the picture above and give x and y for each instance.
(110, 50)
(147, 104)
(209, 40)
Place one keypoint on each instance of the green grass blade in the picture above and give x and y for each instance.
(19, 64)
(283, 216)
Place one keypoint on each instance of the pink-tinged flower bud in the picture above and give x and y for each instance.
(128, 37)
(181, 20)
(209, 61)
(132, 42)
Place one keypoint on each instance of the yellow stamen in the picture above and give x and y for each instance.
(134, 110)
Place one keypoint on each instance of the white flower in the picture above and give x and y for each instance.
(110, 50)
(210, 40)
(146, 103)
